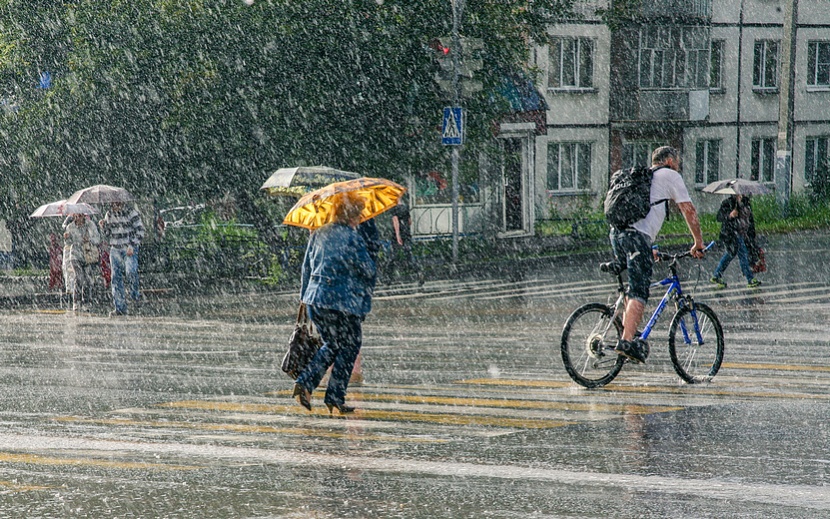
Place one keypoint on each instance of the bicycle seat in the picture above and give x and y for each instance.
(612, 267)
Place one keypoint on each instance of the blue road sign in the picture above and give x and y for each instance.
(452, 128)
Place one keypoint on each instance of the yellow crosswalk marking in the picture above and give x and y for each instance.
(34, 459)
(11, 485)
(685, 389)
(782, 367)
(242, 428)
(373, 414)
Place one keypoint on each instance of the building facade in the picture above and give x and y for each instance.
(698, 75)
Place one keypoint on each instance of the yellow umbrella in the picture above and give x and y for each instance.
(314, 209)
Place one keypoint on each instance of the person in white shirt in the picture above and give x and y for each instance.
(632, 245)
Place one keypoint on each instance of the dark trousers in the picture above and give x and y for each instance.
(342, 336)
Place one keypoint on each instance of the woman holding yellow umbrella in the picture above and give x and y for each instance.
(338, 279)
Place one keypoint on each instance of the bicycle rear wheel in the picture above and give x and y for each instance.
(588, 340)
(696, 357)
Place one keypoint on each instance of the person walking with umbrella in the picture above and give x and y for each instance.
(125, 231)
(737, 231)
(338, 278)
(737, 234)
(82, 236)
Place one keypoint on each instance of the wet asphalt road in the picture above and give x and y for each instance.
(466, 411)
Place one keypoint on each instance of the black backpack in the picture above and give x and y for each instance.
(629, 196)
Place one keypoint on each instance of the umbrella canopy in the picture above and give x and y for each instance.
(314, 209)
(300, 180)
(101, 194)
(736, 186)
(62, 208)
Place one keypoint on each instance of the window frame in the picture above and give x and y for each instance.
(631, 149)
(811, 156)
(813, 64)
(704, 161)
(760, 62)
(582, 65)
(673, 57)
(761, 160)
(581, 178)
(716, 69)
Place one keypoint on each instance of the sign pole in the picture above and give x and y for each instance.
(457, 6)
(786, 107)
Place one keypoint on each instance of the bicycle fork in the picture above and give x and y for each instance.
(688, 301)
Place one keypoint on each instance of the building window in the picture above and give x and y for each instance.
(638, 154)
(571, 63)
(818, 64)
(816, 164)
(569, 166)
(707, 161)
(674, 57)
(763, 160)
(765, 65)
(716, 65)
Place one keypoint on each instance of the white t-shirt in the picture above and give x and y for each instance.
(666, 183)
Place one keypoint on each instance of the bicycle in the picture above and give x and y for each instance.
(591, 333)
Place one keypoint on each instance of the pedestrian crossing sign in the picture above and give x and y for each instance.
(452, 128)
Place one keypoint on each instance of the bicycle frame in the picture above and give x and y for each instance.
(674, 292)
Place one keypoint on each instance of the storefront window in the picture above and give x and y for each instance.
(435, 187)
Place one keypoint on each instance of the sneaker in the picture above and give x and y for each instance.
(754, 283)
(718, 281)
(632, 350)
(115, 313)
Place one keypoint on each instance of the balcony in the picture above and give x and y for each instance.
(675, 10)
(673, 105)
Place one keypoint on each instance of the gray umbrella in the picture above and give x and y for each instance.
(100, 194)
(300, 180)
(736, 186)
(62, 208)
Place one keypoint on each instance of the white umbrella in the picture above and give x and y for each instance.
(62, 208)
(302, 179)
(736, 186)
(101, 194)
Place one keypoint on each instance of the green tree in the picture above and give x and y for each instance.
(195, 98)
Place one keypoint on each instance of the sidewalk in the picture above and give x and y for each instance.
(507, 257)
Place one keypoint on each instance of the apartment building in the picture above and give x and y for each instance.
(699, 75)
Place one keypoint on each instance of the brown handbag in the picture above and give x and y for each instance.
(90, 253)
(302, 346)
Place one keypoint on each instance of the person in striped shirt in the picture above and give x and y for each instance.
(124, 230)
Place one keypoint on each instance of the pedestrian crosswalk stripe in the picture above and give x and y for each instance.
(695, 389)
(374, 414)
(243, 428)
(34, 459)
(504, 403)
(770, 366)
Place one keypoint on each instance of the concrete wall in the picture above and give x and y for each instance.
(579, 107)
(568, 200)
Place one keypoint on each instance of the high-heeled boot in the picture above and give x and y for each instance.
(341, 408)
(303, 396)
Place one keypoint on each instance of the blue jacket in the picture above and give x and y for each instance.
(338, 272)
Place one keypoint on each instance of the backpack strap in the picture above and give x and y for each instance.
(663, 200)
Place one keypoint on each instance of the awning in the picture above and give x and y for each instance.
(527, 105)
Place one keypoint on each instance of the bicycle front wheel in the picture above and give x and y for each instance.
(588, 340)
(696, 343)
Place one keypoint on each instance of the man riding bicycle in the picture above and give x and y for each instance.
(632, 244)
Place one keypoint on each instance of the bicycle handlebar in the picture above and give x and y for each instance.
(666, 256)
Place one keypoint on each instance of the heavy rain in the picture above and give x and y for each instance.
(432, 179)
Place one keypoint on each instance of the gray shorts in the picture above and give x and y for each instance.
(633, 250)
